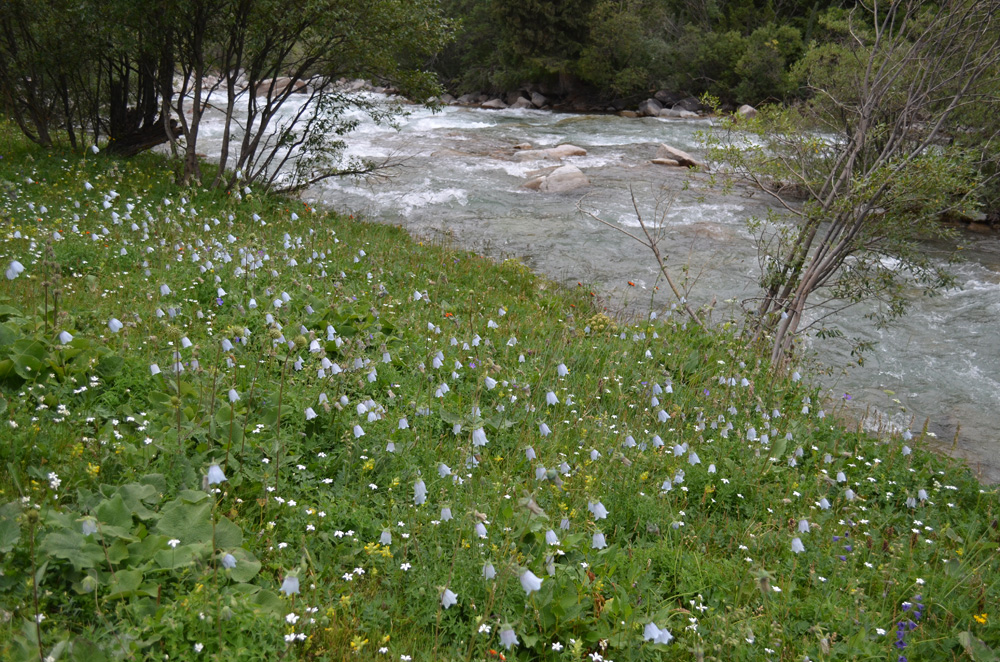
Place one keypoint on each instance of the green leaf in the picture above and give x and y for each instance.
(975, 648)
(247, 566)
(27, 355)
(8, 311)
(181, 556)
(124, 584)
(7, 335)
(73, 547)
(227, 534)
(778, 449)
(114, 512)
(136, 496)
(269, 601)
(117, 551)
(147, 547)
(449, 417)
(224, 415)
(10, 529)
(109, 366)
(83, 650)
(187, 522)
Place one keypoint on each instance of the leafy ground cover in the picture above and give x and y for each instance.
(235, 427)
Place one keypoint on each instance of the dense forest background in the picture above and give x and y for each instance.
(741, 51)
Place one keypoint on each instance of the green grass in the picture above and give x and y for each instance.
(112, 533)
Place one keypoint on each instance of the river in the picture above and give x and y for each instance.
(458, 180)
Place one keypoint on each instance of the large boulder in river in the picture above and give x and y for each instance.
(560, 180)
(553, 153)
(679, 155)
(679, 114)
(521, 103)
(538, 100)
(668, 98)
(650, 108)
(690, 104)
(468, 99)
(747, 111)
(495, 104)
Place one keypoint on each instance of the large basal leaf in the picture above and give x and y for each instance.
(10, 529)
(185, 521)
(114, 512)
(247, 566)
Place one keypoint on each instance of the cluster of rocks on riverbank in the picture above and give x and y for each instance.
(662, 104)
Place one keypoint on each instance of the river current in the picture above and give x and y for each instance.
(459, 180)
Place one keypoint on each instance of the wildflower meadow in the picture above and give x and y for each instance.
(235, 427)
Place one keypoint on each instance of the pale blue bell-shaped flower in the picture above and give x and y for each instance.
(824, 504)
(88, 526)
(233, 395)
(544, 430)
(529, 453)
(446, 514)
(489, 572)
(693, 458)
(310, 413)
(215, 475)
(803, 526)
(228, 561)
(404, 424)
(448, 598)
(443, 470)
(419, 493)
(290, 586)
(797, 546)
(385, 538)
(599, 511)
(479, 437)
(358, 432)
(490, 383)
(481, 530)
(115, 325)
(551, 538)
(530, 582)
(562, 370)
(508, 638)
(551, 399)
(598, 542)
(65, 337)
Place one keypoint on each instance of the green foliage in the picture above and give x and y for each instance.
(115, 525)
(864, 168)
(623, 51)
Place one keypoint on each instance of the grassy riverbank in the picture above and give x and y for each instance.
(237, 428)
